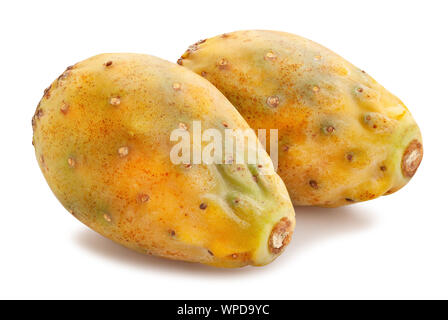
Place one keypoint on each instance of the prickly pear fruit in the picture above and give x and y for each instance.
(343, 138)
(102, 140)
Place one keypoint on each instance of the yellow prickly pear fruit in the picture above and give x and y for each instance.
(102, 137)
(343, 138)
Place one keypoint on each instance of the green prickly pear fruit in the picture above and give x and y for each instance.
(343, 138)
(102, 140)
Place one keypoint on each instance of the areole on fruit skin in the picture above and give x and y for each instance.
(343, 138)
(102, 140)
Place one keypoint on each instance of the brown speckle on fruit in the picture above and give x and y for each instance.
(64, 108)
(349, 200)
(47, 92)
(195, 46)
(123, 151)
(115, 101)
(412, 158)
(71, 162)
(225, 124)
(383, 168)
(270, 56)
(177, 86)
(223, 64)
(203, 206)
(63, 76)
(39, 113)
(273, 101)
(33, 124)
(313, 184)
(328, 129)
(210, 253)
(179, 61)
(183, 126)
(172, 233)
(187, 165)
(280, 236)
(203, 73)
(349, 156)
(379, 122)
(192, 48)
(108, 63)
(143, 197)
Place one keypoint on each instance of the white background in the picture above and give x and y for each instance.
(393, 247)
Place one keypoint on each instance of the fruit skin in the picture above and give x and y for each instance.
(102, 140)
(343, 138)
